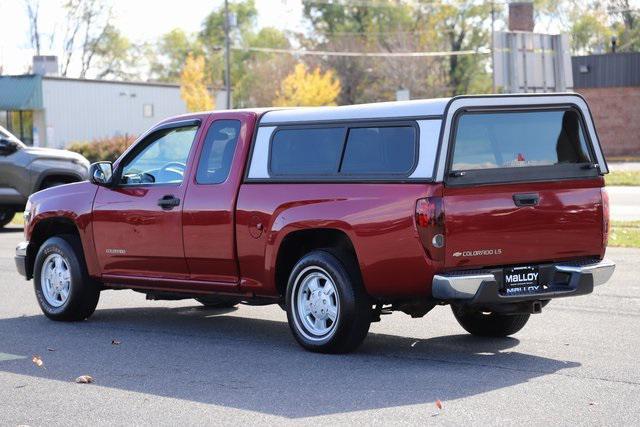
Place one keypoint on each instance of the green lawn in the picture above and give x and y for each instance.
(625, 234)
(623, 178)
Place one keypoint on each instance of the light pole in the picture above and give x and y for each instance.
(493, 61)
(227, 72)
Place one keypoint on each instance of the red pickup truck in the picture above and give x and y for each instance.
(492, 204)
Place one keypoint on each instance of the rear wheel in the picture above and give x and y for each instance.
(483, 324)
(327, 307)
(63, 287)
(6, 215)
(218, 302)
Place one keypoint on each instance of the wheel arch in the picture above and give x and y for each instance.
(296, 243)
(45, 229)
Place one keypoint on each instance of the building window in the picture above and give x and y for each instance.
(147, 110)
(19, 123)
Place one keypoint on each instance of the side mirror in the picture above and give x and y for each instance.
(101, 173)
(7, 147)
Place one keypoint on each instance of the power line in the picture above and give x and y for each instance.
(481, 51)
(362, 3)
(227, 59)
(381, 4)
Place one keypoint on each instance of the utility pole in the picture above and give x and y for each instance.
(227, 72)
(493, 61)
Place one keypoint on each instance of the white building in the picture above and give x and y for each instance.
(50, 111)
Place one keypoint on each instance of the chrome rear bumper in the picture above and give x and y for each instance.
(483, 285)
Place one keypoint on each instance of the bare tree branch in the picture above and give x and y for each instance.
(33, 9)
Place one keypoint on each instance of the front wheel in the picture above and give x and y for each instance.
(63, 287)
(483, 324)
(6, 215)
(327, 307)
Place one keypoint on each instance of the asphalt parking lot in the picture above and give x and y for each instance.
(180, 364)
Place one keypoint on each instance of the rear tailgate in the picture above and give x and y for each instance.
(484, 227)
(522, 185)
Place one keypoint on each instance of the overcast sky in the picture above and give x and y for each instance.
(139, 20)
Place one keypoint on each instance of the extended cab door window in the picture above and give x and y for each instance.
(160, 160)
(505, 146)
(217, 153)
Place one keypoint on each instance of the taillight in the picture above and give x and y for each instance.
(606, 224)
(430, 226)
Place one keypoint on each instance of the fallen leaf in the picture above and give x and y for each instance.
(37, 361)
(438, 404)
(84, 379)
(116, 342)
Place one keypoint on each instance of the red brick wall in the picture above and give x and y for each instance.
(616, 113)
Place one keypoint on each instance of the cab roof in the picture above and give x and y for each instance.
(379, 110)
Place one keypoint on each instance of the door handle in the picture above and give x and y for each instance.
(168, 202)
(529, 199)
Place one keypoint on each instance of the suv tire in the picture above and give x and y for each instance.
(63, 287)
(327, 308)
(6, 215)
(483, 324)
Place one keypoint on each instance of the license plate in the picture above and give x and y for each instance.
(521, 280)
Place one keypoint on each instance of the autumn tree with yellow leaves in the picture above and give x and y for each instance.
(308, 88)
(193, 88)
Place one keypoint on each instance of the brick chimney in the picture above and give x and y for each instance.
(521, 16)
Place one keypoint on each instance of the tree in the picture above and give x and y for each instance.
(462, 25)
(262, 72)
(171, 52)
(589, 33)
(592, 23)
(395, 26)
(626, 25)
(193, 88)
(343, 27)
(304, 88)
(33, 9)
(88, 23)
(116, 56)
(212, 39)
(255, 76)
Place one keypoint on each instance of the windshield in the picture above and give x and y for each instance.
(5, 134)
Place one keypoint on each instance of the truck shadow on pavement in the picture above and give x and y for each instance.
(203, 355)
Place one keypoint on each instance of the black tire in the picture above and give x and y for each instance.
(489, 324)
(218, 302)
(352, 305)
(83, 294)
(6, 215)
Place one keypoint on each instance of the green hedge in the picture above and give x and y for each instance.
(103, 149)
